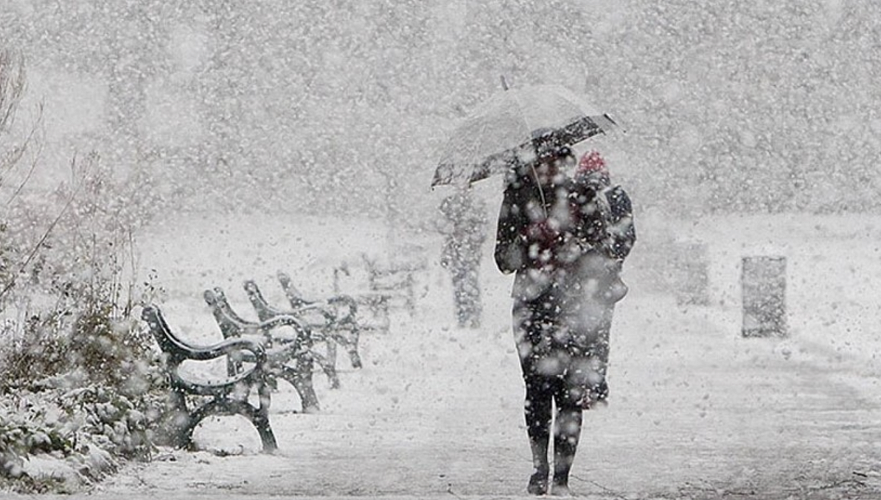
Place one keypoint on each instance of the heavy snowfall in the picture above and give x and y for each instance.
(154, 154)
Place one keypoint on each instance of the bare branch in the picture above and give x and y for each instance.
(38, 125)
(35, 250)
(12, 85)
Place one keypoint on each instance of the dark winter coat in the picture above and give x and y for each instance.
(532, 226)
(543, 233)
(621, 230)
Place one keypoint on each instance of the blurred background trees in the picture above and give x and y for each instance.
(330, 107)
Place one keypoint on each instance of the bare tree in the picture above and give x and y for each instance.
(12, 86)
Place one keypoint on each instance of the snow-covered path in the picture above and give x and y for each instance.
(738, 418)
(696, 412)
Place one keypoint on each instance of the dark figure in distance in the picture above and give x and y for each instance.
(464, 225)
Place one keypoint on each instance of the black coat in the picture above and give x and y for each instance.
(621, 230)
(523, 217)
(536, 227)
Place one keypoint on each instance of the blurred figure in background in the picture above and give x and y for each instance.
(464, 226)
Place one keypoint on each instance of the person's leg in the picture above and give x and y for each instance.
(467, 295)
(528, 322)
(459, 297)
(567, 432)
(537, 410)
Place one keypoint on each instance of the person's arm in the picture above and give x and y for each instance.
(590, 217)
(510, 252)
(622, 229)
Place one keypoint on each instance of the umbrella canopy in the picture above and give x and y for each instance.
(506, 130)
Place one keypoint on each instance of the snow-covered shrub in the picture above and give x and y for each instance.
(31, 352)
(75, 343)
(76, 367)
(26, 428)
(87, 428)
(117, 423)
(74, 311)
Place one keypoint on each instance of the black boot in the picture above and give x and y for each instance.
(538, 481)
(561, 489)
(562, 465)
(566, 434)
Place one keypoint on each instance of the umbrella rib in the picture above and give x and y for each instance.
(541, 193)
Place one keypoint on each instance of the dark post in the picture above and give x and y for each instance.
(692, 274)
(764, 296)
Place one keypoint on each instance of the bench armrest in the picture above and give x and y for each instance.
(228, 347)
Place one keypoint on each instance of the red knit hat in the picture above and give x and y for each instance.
(591, 163)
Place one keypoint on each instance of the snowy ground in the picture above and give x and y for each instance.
(696, 410)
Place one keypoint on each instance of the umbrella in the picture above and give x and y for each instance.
(511, 127)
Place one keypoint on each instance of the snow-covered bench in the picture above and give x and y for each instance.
(396, 281)
(288, 342)
(390, 283)
(332, 321)
(226, 396)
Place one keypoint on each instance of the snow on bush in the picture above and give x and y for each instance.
(77, 372)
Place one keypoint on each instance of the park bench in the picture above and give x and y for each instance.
(333, 321)
(283, 349)
(226, 396)
(394, 280)
(374, 301)
(390, 284)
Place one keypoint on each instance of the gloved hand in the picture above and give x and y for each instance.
(542, 240)
(542, 232)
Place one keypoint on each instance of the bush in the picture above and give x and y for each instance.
(32, 353)
(89, 428)
(79, 352)
(77, 371)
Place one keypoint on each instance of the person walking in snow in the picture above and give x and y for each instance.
(464, 225)
(533, 218)
(550, 230)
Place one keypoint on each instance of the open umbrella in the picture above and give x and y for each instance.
(507, 129)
